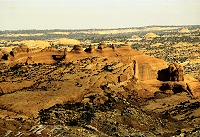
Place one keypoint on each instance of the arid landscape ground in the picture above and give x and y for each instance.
(128, 82)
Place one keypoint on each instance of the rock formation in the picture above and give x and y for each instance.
(113, 46)
(126, 46)
(122, 78)
(5, 56)
(90, 49)
(49, 49)
(20, 49)
(173, 73)
(150, 36)
(60, 57)
(29, 60)
(184, 30)
(77, 49)
(102, 45)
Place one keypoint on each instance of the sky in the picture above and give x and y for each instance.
(91, 14)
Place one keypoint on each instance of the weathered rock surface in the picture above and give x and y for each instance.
(29, 60)
(99, 94)
(174, 72)
(102, 45)
(77, 49)
(90, 49)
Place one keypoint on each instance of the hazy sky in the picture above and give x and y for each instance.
(82, 14)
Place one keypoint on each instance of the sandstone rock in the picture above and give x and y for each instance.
(122, 78)
(20, 49)
(173, 73)
(77, 49)
(113, 46)
(102, 45)
(150, 36)
(60, 57)
(29, 60)
(184, 30)
(49, 49)
(126, 44)
(90, 49)
(5, 57)
(176, 87)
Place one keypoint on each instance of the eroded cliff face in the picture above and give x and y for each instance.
(144, 67)
(174, 72)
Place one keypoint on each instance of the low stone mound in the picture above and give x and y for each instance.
(77, 49)
(90, 49)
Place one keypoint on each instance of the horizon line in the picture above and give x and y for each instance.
(103, 28)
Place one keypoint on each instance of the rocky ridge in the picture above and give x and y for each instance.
(102, 93)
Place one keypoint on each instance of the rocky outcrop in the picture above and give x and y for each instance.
(126, 45)
(5, 56)
(113, 46)
(174, 72)
(90, 49)
(29, 60)
(122, 78)
(49, 49)
(150, 36)
(102, 45)
(175, 87)
(60, 57)
(77, 49)
(18, 50)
